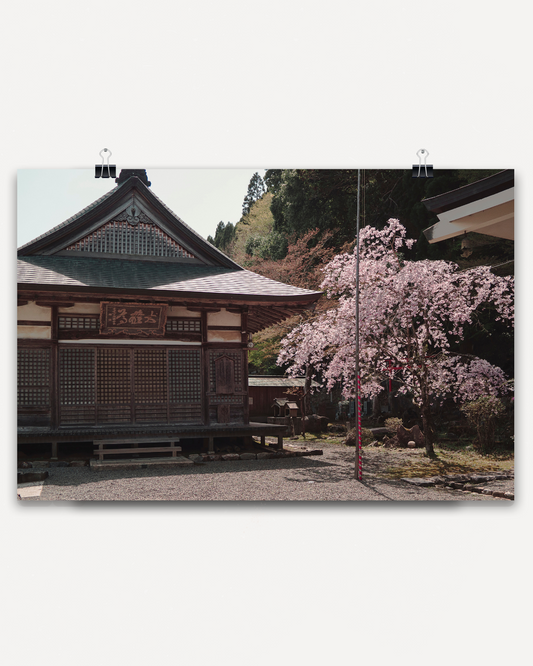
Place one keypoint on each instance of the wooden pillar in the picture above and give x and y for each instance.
(54, 451)
(263, 440)
(211, 445)
(205, 370)
(244, 340)
(54, 369)
(280, 442)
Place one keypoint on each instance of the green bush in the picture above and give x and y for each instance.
(274, 247)
(253, 244)
(484, 414)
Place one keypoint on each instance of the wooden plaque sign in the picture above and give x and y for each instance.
(132, 319)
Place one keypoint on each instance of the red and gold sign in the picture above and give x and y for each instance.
(132, 319)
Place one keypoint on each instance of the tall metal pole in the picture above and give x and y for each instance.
(358, 471)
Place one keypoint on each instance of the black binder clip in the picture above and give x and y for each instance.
(105, 170)
(422, 170)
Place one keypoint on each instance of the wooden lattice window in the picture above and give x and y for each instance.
(104, 385)
(79, 322)
(185, 375)
(114, 376)
(219, 399)
(150, 375)
(76, 377)
(121, 237)
(33, 377)
(184, 325)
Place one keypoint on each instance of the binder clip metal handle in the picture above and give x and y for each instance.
(428, 168)
(105, 170)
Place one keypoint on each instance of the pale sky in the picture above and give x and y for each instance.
(200, 197)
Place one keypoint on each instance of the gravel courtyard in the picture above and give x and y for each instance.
(327, 477)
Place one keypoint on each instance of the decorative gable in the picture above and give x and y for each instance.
(132, 235)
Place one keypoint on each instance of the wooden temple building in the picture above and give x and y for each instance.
(131, 325)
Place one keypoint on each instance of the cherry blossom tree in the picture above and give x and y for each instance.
(412, 316)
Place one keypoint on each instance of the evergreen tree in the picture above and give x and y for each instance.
(273, 179)
(305, 199)
(256, 189)
(224, 235)
(219, 234)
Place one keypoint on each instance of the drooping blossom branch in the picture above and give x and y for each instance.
(412, 315)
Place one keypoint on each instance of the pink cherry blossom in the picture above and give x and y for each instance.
(411, 316)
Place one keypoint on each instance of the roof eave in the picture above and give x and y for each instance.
(498, 182)
(174, 294)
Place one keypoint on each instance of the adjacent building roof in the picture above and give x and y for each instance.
(486, 207)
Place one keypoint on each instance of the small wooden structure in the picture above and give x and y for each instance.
(133, 327)
(264, 389)
(284, 407)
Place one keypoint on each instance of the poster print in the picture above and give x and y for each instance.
(108, 299)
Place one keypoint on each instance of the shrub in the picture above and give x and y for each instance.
(253, 244)
(483, 414)
(393, 424)
(274, 247)
(366, 437)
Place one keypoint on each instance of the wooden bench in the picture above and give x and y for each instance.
(278, 446)
(135, 441)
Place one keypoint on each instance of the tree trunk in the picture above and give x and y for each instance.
(427, 424)
(376, 407)
(307, 388)
(304, 402)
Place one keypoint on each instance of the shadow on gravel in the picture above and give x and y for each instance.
(385, 488)
(78, 476)
(325, 473)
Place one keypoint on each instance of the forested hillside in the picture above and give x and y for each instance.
(295, 220)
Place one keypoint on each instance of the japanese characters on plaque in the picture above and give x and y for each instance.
(132, 319)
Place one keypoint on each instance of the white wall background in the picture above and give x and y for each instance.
(240, 84)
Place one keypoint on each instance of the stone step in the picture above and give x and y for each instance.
(136, 463)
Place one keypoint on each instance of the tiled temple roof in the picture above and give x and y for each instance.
(60, 271)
